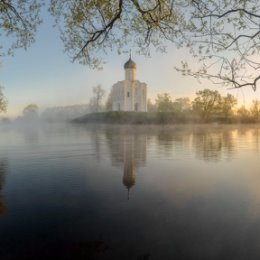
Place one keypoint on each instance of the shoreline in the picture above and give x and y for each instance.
(156, 118)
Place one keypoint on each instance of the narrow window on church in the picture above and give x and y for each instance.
(128, 94)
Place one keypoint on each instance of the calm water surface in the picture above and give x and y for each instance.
(118, 192)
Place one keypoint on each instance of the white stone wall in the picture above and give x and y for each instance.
(140, 97)
(117, 97)
(130, 74)
(129, 96)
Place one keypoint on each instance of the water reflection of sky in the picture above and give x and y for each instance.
(130, 192)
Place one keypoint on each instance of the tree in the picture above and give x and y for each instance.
(88, 26)
(243, 115)
(18, 21)
(181, 104)
(227, 105)
(3, 101)
(207, 103)
(103, 25)
(151, 107)
(31, 111)
(164, 103)
(96, 100)
(109, 102)
(209, 28)
(224, 37)
(255, 110)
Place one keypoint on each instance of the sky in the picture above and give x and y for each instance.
(44, 75)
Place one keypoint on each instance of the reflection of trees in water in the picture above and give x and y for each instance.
(256, 133)
(128, 148)
(211, 145)
(3, 171)
(168, 138)
(243, 131)
(249, 136)
(127, 145)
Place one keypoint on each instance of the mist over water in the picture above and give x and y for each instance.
(129, 192)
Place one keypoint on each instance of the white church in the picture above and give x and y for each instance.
(129, 94)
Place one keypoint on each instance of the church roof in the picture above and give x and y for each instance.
(130, 64)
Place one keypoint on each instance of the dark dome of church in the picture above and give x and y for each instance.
(130, 64)
(129, 182)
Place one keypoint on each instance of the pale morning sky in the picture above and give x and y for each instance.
(44, 75)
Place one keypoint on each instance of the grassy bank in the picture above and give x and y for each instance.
(120, 117)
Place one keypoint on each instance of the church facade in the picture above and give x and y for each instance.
(129, 94)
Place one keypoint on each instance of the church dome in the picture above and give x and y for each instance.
(130, 64)
(129, 181)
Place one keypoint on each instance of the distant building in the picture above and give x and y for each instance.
(129, 94)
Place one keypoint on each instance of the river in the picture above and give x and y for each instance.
(129, 192)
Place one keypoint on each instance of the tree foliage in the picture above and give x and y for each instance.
(255, 110)
(227, 106)
(243, 115)
(96, 100)
(3, 101)
(31, 110)
(164, 103)
(91, 26)
(182, 104)
(223, 36)
(151, 107)
(109, 102)
(207, 103)
(18, 21)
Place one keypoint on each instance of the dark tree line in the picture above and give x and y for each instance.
(207, 106)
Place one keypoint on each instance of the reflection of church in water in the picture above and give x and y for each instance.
(128, 149)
